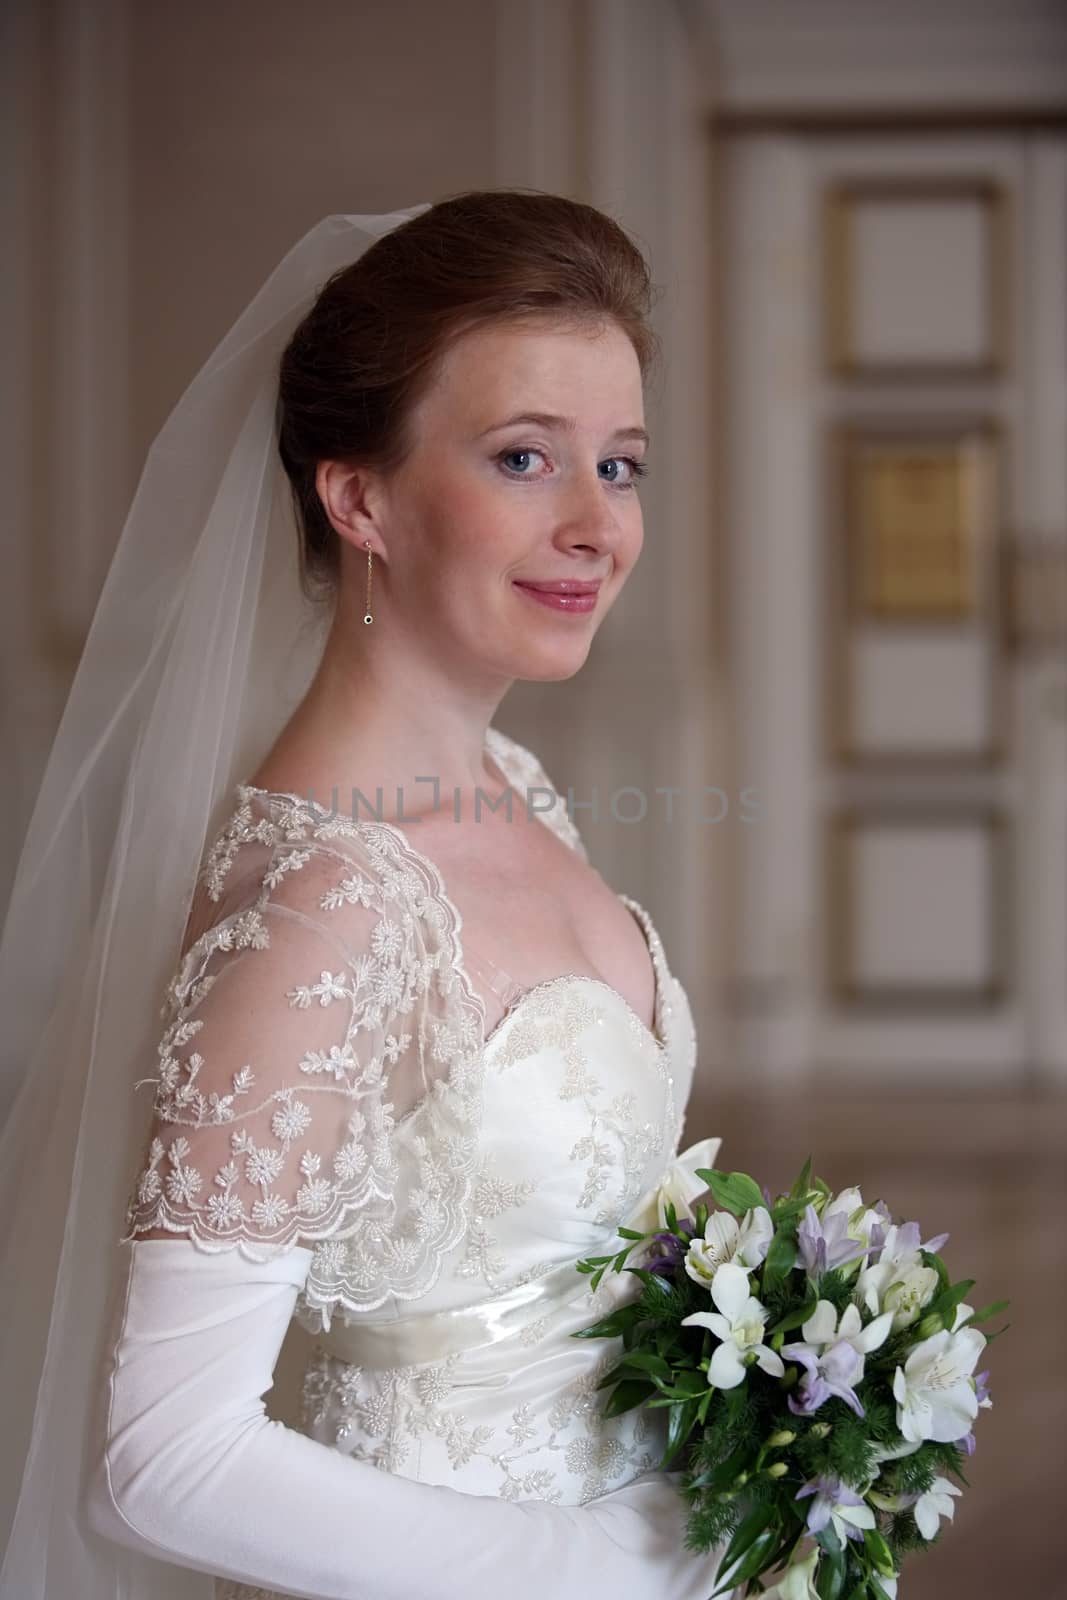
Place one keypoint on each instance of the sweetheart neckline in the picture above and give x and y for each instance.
(656, 1035)
(658, 1039)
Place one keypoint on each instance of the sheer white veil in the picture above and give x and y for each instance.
(200, 646)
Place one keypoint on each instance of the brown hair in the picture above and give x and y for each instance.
(368, 349)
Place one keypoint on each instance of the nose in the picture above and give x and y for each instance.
(587, 516)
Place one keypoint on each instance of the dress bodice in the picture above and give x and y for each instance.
(448, 1166)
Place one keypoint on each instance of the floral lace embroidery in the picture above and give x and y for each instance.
(349, 961)
(564, 1450)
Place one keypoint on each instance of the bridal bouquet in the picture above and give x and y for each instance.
(817, 1366)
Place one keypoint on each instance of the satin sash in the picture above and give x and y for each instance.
(434, 1335)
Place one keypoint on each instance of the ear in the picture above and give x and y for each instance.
(353, 499)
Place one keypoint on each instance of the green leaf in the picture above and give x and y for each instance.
(830, 1574)
(746, 1533)
(859, 1592)
(717, 1479)
(628, 1233)
(984, 1314)
(679, 1427)
(734, 1191)
(793, 1319)
(946, 1302)
(646, 1361)
(653, 1280)
(754, 1562)
(608, 1327)
(990, 1337)
(781, 1257)
(874, 1588)
(827, 1539)
(803, 1183)
(687, 1386)
(788, 1208)
(930, 1258)
(879, 1552)
(630, 1392)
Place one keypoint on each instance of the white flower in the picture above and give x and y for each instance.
(824, 1330)
(679, 1186)
(739, 1323)
(861, 1218)
(933, 1390)
(894, 1452)
(933, 1505)
(798, 1582)
(844, 1516)
(744, 1243)
(904, 1288)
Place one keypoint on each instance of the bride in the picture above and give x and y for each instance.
(415, 1058)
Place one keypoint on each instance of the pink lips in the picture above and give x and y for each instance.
(565, 594)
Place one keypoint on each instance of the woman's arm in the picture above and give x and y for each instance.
(192, 1470)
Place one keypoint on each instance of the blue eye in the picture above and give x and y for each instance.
(526, 453)
(638, 469)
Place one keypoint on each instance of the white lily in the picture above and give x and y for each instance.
(933, 1390)
(678, 1186)
(798, 1581)
(744, 1243)
(904, 1288)
(739, 1323)
(933, 1505)
(823, 1329)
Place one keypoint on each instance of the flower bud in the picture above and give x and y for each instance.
(820, 1430)
(778, 1470)
(779, 1440)
(931, 1324)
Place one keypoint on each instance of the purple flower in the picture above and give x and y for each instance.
(981, 1389)
(666, 1251)
(831, 1373)
(904, 1239)
(830, 1495)
(825, 1246)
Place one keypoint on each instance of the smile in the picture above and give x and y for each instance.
(579, 598)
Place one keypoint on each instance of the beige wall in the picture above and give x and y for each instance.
(250, 121)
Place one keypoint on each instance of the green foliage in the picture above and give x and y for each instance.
(734, 1191)
(836, 1288)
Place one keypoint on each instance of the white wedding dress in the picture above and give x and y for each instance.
(447, 1145)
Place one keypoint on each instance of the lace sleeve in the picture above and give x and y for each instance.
(299, 1029)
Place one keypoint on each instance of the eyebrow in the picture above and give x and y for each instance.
(545, 419)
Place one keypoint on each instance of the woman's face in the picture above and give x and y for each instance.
(485, 503)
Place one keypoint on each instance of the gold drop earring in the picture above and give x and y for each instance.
(370, 558)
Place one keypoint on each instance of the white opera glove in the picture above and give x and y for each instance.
(191, 1470)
